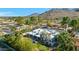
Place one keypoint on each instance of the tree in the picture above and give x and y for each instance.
(42, 47)
(24, 44)
(77, 26)
(28, 21)
(49, 23)
(20, 43)
(12, 38)
(65, 21)
(45, 36)
(13, 28)
(74, 24)
(65, 42)
(20, 20)
(12, 18)
(9, 38)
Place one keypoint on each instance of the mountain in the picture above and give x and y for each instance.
(34, 14)
(58, 13)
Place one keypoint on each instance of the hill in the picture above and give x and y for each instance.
(58, 13)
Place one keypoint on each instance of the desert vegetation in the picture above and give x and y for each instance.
(13, 32)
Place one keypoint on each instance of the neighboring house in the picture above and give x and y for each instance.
(18, 27)
(6, 31)
(47, 39)
(76, 35)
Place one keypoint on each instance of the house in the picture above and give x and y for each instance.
(19, 27)
(6, 31)
(48, 38)
(76, 35)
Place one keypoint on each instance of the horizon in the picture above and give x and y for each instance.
(15, 12)
(5, 12)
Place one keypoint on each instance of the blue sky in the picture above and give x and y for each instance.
(21, 11)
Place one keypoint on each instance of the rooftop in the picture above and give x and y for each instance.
(38, 31)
